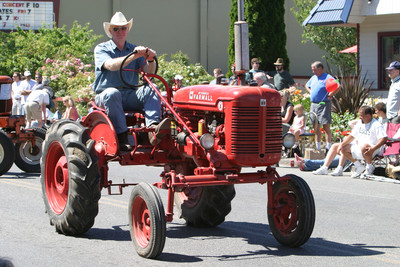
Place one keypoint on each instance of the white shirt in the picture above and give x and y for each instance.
(27, 86)
(16, 89)
(369, 133)
(39, 96)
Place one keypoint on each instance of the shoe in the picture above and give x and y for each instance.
(321, 171)
(337, 172)
(160, 131)
(358, 171)
(369, 170)
(123, 142)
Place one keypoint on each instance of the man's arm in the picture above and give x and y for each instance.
(113, 64)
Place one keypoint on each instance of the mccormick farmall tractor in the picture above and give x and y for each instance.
(215, 132)
(19, 145)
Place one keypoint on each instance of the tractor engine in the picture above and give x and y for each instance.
(245, 121)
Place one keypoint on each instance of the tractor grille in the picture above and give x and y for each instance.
(273, 130)
(246, 128)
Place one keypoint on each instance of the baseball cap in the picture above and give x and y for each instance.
(27, 73)
(178, 77)
(394, 65)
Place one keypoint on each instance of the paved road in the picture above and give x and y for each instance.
(357, 224)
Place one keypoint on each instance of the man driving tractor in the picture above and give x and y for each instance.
(112, 94)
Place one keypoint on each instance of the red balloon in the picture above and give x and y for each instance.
(331, 85)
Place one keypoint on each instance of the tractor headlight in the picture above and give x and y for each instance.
(288, 140)
(207, 141)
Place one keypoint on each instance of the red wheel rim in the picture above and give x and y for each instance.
(286, 213)
(141, 221)
(190, 197)
(56, 177)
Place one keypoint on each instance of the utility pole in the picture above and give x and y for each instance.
(241, 45)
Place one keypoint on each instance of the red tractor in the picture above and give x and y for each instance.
(215, 132)
(19, 145)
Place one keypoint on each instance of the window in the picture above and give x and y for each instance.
(389, 50)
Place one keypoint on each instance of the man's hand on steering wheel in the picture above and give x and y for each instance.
(145, 52)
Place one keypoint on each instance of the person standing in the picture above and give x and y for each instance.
(112, 94)
(17, 108)
(27, 86)
(255, 67)
(321, 105)
(393, 101)
(282, 78)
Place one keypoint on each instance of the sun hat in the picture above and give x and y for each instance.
(117, 20)
(27, 73)
(394, 65)
(279, 62)
(178, 77)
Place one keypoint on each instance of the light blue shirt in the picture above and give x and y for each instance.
(393, 101)
(105, 78)
(318, 89)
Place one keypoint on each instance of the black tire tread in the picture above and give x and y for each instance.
(212, 208)
(306, 226)
(158, 222)
(84, 178)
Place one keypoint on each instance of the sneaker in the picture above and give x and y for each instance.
(321, 171)
(337, 172)
(369, 170)
(358, 171)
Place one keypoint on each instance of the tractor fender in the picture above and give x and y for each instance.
(102, 131)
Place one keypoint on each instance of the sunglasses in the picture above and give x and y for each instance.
(256, 62)
(115, 29)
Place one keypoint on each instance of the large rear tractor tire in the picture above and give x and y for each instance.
(205, 206)
(147, 224)
(70, 178)
(7, 153)
(293, 216)
(28, 156)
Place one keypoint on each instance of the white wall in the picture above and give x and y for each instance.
(369, 42)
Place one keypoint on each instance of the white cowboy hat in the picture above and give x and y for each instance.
(117, 20)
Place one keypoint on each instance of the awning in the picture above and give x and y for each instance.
(352, 49)
(329, 12)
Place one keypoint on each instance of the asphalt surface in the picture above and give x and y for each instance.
(357, 224)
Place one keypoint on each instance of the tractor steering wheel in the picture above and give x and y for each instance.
(140, 70)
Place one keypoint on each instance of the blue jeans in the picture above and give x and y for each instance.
(115, 101)
(314, 164)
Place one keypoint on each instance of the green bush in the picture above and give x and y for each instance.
(179, 64)
(28, 50)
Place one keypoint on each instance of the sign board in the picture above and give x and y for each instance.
(29, 15)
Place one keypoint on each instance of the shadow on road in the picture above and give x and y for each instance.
(20, 175)
(252, 233)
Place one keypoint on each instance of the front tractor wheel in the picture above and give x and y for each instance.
(205, 206)
(292, 216)
(70, 178)
(28, 156)
(147, 224)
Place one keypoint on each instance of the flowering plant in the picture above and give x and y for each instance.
(70, 77)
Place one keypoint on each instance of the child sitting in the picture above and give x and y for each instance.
(299, 122)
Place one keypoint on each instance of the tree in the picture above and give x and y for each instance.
(267, 36)
(28, 50)
(329, 39)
